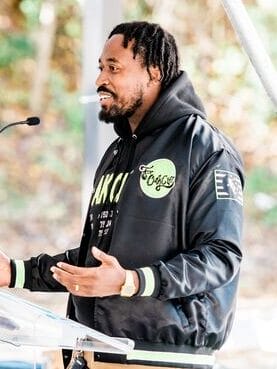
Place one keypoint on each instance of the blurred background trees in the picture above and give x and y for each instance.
(40, 64)
(41, 167)
(40, 73)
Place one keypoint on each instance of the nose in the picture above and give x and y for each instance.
(101, 79)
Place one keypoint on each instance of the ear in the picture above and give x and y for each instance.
(155, 74)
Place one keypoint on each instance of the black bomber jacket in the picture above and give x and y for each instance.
(175, 191)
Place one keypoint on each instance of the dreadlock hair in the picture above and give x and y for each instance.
(154, 45)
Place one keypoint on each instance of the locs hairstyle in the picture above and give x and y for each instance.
(154, 45)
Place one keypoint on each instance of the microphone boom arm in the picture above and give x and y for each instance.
(12, 124)
(31, 121)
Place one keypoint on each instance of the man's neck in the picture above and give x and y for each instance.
(134, 121)
(136, 118)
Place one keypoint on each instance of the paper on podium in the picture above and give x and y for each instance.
(23, 323)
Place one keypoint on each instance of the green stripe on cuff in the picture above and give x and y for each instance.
(171, 357)
(149, 281)
(20, 274)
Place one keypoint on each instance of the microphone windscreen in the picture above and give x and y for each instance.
(33, 121)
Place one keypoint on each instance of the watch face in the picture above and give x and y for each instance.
(129, 288)
(127, 291)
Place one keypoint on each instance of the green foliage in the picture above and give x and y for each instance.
(54, 163)
(74, 114)
(261, 179)
(15, 98)
(13, 48)
(66, 104)
(73, 28)
(30, 9)
(137, 10)
(270, 217)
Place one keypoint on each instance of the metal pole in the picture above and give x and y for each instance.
(99, 17)
(253, 46)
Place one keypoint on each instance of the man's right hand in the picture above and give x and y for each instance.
(5, 270)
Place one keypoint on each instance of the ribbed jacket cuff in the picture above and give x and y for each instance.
(17, 274)
(28, 274)
(149, 282)
(13, 273)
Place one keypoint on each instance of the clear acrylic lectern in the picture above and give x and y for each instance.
(25, 324)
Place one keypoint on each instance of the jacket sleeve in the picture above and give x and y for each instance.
(211, 254)
(35, 275)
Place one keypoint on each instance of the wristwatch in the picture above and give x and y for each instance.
(128, 289)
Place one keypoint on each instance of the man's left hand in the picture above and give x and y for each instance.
(105, 280)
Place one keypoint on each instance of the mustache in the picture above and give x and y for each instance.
(105, 89)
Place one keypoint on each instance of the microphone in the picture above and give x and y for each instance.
(31, 121)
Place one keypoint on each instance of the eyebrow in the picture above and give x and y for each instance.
(114, 60)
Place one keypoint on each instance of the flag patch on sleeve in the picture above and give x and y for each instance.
(228, 186)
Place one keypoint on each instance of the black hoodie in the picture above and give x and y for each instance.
(177, 101)
(184, 102)
(167, 202)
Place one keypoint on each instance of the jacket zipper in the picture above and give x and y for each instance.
(130, 158)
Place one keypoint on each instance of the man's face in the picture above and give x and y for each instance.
(122, 82)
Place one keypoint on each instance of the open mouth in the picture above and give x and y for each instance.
(103, 96)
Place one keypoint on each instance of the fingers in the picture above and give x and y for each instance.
(103, 257)
(98, 254)
(69, 276)
(71, 269)
(104, 280)
(77, 280)
(61, 274)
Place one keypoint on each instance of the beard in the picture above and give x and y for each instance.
(115, 112)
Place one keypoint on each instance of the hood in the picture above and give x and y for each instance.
(176, 101)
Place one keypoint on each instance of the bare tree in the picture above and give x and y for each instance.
(45, 45)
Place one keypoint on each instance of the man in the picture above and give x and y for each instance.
(160, 252)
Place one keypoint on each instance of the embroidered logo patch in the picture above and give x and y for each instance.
(157, 178)
(228, 186)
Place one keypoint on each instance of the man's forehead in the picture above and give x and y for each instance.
(114, 51)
